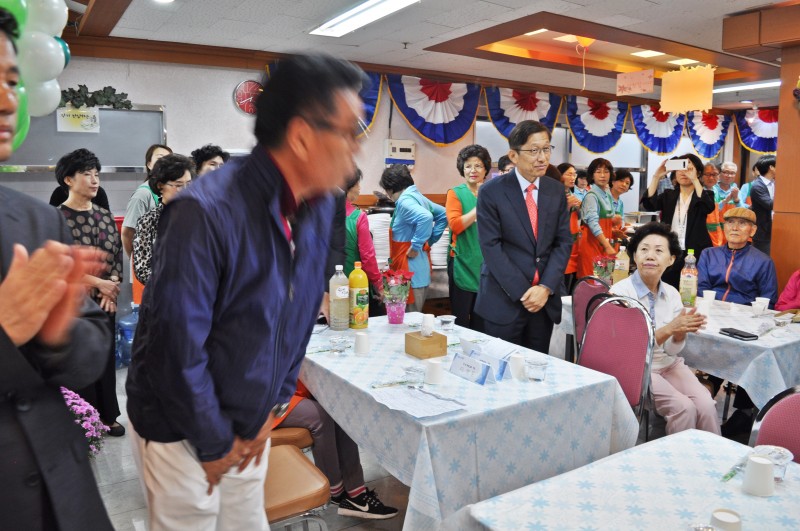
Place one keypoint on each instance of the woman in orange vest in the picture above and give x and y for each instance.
(597, 215)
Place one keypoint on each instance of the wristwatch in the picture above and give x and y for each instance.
(279, 410)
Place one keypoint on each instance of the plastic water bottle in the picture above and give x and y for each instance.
(688, 284)
(359, 297)
(622, 265)
(339, 292)
(127, 328)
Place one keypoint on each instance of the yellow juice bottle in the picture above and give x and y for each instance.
(359, 297)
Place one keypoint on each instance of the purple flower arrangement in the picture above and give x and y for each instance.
(87, 417)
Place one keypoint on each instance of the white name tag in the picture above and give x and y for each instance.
(472, 369)
(499, 366)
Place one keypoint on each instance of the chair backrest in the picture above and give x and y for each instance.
(619, 340)
(778, 423)
(585, 288)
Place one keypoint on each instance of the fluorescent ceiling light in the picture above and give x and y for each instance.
(361, 15)
(751, 86)
(566, 38)
(683, 62)
(647, 53)
(164, 1)
(746, 101)
(536, 32)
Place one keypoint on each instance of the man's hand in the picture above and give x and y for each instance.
(55, 330)
(734, 196)
(32, 288)
(255, 448)
(535, 298)
(412, 253)
(215, 469)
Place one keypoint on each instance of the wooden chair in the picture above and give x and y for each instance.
(299, 437)
(295, 490)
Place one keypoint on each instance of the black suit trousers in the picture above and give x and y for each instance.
(530, 330)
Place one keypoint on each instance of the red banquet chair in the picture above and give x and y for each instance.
(585, 288)
(777, 423)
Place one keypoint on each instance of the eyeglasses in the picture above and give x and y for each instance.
(474, 167)
(728, 172)
(535, 152)
(179, 185)
(736, 222)
(354, 134)
(708, 174)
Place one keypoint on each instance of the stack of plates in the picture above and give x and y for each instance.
(439, 250)
(379, 227)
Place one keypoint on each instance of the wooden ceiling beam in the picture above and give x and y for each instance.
(100, 18)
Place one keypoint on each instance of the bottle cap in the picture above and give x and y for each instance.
(357, 264)
(339, 268)
(690, 251)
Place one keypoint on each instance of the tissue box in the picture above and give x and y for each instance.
(423, 347)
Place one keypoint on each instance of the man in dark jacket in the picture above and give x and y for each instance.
(235, 290)
(51, 335)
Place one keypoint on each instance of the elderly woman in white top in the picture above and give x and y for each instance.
(679, 397)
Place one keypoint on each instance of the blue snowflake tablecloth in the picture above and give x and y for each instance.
(764, 367)
(509, 434)
(670, 483)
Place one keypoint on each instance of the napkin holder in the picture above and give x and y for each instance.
(423, 347)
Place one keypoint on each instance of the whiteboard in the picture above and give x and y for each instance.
(122, 141)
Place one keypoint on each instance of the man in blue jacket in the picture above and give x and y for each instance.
(738, 272)
(237, 280)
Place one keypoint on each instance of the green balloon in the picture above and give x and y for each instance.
(65, 47)
(23, 118)
(19, 10)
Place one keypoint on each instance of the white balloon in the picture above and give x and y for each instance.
(43, 98)
(47, 16)
(40, 57)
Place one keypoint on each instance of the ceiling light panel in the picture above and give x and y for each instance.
(538, 31)
(361, 15)
(648, 53)
(566, 38)
(683, 62)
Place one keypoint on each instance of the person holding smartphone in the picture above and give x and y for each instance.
(685, 208)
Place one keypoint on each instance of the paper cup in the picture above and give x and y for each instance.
(516, 363)
(362, 344)
(726, 520)
(764, 301)
(759, 476)
(709, 294)
(434, 372)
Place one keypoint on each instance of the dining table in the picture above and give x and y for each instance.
(672, 483)
(763, 367)
(500, 436)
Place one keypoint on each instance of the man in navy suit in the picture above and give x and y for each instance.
(762, 195)
(523, 228)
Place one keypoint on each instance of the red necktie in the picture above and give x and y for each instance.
(533, 213)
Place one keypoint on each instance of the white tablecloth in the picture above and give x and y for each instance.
(764, 367)
(669, 484)
(509, 435)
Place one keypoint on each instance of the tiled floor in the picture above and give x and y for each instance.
(119, 483)
(122, 493)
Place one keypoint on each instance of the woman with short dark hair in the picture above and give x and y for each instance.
(465, 258)
(679, 397)
(568, 176)
(79, 172)
(597, 215)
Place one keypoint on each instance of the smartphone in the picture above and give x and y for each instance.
(677, 164)
(738, 334)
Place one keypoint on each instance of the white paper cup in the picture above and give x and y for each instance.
(726, 520)
(434, 372)
(759, 476)
(516, 363)
(758, 307)
(362, 344)
(709, 294)
(703, 306)
(763, 301)
(428, 322)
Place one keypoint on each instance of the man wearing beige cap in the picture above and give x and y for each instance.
(738, 272)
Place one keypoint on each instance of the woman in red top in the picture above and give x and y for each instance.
(568, 176)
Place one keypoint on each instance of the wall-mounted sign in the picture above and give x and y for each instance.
(639, 82)
(69, 120)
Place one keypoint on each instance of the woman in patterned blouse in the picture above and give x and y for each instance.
(91, 225)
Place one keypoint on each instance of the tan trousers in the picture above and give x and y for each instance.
(682, 400)
(176, 490)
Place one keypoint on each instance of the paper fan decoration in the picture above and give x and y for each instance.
(596, 125)
(508, 107)
(758, 130)
(658, 131)
(708, 132)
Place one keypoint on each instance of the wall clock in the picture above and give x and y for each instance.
(245, 95)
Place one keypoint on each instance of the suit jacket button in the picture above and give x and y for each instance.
(33, 479)
(23, 404)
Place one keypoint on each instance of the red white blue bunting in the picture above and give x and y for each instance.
(596, 125)
(658, 131)
(708, 132)
(371, 96)
(758, 130)
(508, 107)
(441, 112)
